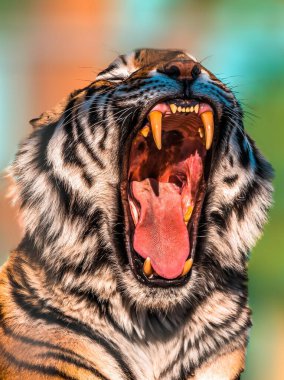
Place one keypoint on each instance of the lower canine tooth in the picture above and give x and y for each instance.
(187, 214)
(155, 118)
(147, 267)
(187, 267)
(145, 131)
(208, 123)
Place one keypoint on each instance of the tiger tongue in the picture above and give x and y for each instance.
(160, 232)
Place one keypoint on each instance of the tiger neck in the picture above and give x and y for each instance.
(99, 304)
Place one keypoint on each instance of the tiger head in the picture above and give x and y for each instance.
(144, 183)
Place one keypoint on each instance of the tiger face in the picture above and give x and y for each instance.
(145, 183)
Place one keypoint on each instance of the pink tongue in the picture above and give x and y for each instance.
(161, 233)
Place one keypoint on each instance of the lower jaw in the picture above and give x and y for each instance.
(136, 262)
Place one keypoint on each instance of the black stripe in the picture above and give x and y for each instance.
(61, 190)
(87, 179)
(263, 168)
(94, 222)
(238, 336)
(73, 205)
(67, 359)
(219, 220)
(104, 120)
(244, 158)
(91, 263)
(94, 117)
(83, 141)
(51, 315)
(239, 205)
(69, 150)
(222, 328)
(36, 368)
(28, 196)
(44, 135)
(104, 310)
(244, 198)
(38, 343)
(40, 160)
(90, 91)
(230, 180)
(123, 59)
(137, 54)
(64, 354)
(108, 70)
(95, 121)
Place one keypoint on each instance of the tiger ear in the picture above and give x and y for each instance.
(50, 116)
(121, 68)
(36, 122)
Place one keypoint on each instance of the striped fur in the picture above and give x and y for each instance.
(71, 308)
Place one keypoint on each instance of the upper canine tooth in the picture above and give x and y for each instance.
(173, 108)
(155, 118)
(208, 123)
(147, 267)
(196, 108)
(187, 267)
(145, 131)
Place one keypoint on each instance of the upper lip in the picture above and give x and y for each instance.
(203, 110)
(171, 98)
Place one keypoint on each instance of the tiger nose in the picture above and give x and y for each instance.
(182, 69)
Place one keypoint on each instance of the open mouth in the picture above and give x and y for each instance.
(166, 183)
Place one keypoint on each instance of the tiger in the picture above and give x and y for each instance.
(141, 196)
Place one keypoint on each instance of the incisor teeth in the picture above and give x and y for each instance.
(191, 109)
(147, 267)
(183, 109)
(187, 109)
(145, 131)
(208, 123)
(179, 109)
(196, 108)
(173, 108)
(187, 214)
(187, 267)
(155, 118)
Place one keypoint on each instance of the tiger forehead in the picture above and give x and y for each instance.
(142, 59)
(145, 57)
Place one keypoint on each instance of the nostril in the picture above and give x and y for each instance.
(195, 71)
(172, 71)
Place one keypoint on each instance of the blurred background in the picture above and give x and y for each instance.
(50, 47)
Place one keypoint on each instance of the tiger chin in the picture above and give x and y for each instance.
(142, 196)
